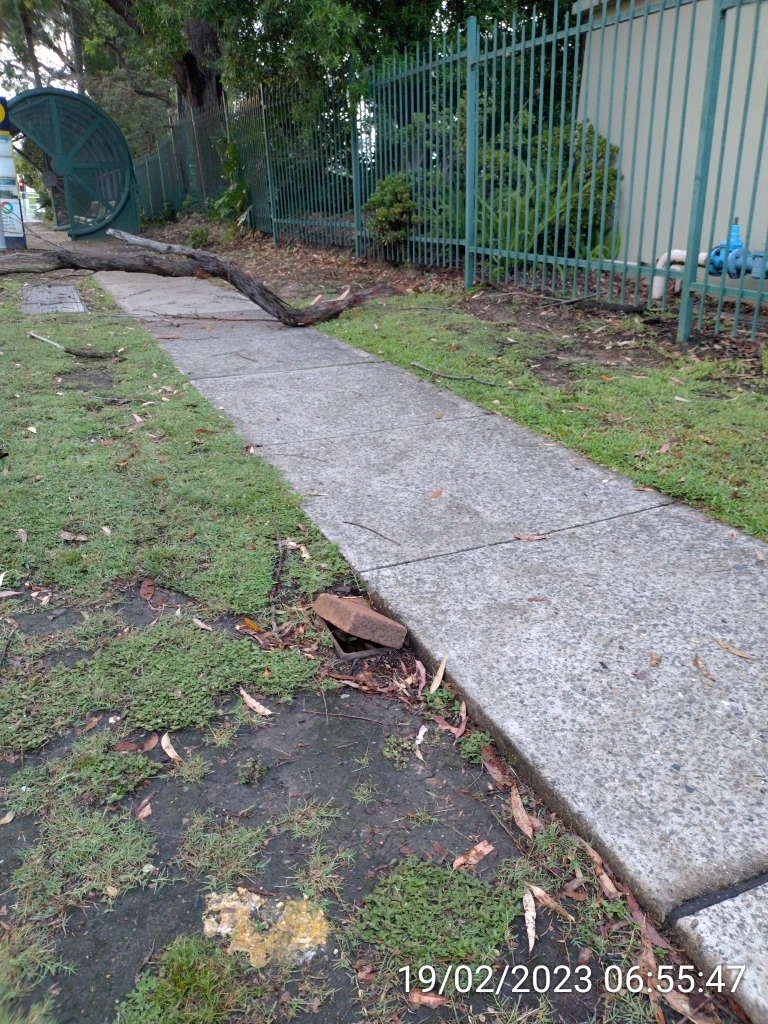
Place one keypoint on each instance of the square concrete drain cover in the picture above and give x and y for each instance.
(51, 298)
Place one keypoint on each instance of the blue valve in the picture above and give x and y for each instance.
(719, 255)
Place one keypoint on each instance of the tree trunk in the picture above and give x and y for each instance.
(196, 263)
(198, 82)
(29, 36)
(76, 34)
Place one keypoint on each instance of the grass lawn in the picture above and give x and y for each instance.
(696, 429)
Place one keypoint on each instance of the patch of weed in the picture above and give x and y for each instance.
(364, 793)
(321, 875)
(424, 914)
(194, 769)
(471, 744)
(195, 982)
(27, 955)
(92, 771)
(251, 771)
(222, 853)
(309, 820)
(421, 818)
(80, 856)
(162, 677)
(398, 750)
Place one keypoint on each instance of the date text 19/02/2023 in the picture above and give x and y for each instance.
(521, 979)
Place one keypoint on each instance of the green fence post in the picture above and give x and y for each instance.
(162, 176)
(701, 176)
(356, 189)
(270, 175)
(470, 213)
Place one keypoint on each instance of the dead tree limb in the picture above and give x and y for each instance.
(193, 263)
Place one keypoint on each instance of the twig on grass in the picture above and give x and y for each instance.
(453, 376)
(80, 352)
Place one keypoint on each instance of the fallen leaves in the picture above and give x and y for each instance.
(169, 748)
(32, 430)
(202, 625)
(606, 884)
(732, 650)
(435, 684)
(253, 704)
(78, 538)
(429, 999)
(145, 811)
(530, 536)
(654, 659)
(474, 856)
(437, 493)
(496, 768)
(150, 742)
(699, 664)
(7, 818)
(147, 589)
(550, 902)
(664, 449)
(22, 535)
(519, 812)
(679, 399)
(529, 910)
(759, 554)
(457, 731)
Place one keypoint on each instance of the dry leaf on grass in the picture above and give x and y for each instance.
(732, 650)
(430, 999)
(496, 768)
(147, 589)
(254, 705)
(548, 901)
(438, 675)
(529, 908)
(125, 747)
(9, 593)
(7, 818)
(699, 664)
(169, 748)
(145, 812)
(455, 730)
(474, 856)
(150, 742)
(606, 884)
(253, 625)
(519, 812)
(202, 625)
(22, 535)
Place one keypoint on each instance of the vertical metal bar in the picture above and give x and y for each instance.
(470, 207)
(607, 167)
(200, 174)
(559, 187)
(539, 129)
(356, 189)
(583, 155)
(550, 126)
(502, 126)
(519, 190)
(160, 170)
(701, 175)
(528, 148)
(571, 143)
(270, 171)
(616, 217)
(511, 142)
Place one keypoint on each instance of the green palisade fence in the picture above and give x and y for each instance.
(596, 150)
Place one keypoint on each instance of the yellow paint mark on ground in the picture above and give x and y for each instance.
(291, 930)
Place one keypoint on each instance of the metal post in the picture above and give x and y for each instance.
(200, 172)
(270, 175)
(470, 212)
(162, 178)
(356, 188)
(706, 132)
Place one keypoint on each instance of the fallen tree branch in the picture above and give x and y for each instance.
(464, 376)
(195, 263)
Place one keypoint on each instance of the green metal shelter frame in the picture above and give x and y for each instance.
(90, 171)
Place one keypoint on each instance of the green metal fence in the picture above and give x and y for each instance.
(600, 149)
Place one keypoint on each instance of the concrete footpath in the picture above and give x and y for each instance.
(578, 651)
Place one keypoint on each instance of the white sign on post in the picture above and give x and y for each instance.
(11, 222)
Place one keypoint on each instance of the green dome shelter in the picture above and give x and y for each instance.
(90, 168)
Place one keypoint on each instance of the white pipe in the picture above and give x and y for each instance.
(668, 259)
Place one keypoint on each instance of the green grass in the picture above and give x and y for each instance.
(222, 853)
(80, 856)
(424, 914)
(92, 772)
(196, 982)
(164, 677)
(309, 820)
(620, 418)
(183, 501)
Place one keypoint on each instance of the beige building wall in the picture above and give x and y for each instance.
(650, 154)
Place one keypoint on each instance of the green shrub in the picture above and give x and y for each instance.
(199, 236)
(389, 210)
(230, 205)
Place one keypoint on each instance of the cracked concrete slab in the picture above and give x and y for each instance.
(149, 296)
(448, 485)
(551, 643)
(735, 933)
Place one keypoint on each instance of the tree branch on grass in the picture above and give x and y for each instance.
(195, 263)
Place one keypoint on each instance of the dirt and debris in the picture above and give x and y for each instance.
(352, 615)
